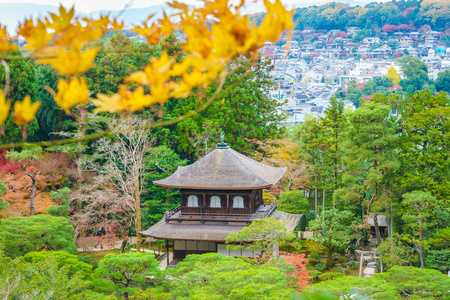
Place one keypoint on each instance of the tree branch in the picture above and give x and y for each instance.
(7, 78)
(190, 114)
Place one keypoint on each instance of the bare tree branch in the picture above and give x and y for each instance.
(7, 78)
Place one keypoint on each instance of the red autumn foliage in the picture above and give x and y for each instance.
(424, 29)
(276, 190)
(57, 168)
(299, 275)
(6, 166)
(389, 28)
(341, 34)
(270, 53)
(18, 193)
(403, 27)
(395, 87)
(406, 11)
(311, 58)
(55, 171)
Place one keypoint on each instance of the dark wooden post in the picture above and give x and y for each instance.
(167, 252)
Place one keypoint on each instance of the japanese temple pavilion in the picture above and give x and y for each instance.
(220, 194)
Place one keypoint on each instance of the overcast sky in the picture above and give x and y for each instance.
(95, 5)
(92, 5)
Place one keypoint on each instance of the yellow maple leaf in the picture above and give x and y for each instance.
(77, 35)
(178, 5)
(277, 20)
(166, 26)
(70, 94)
(37, 35)
(4, 108)
(73, 61)
(116, 25)
(152, 33)
(25, 111)
(194, 78)
(180, 90)
(124, 100)
(157, 70)
(107, 103)
(61, 22)
(6, 42)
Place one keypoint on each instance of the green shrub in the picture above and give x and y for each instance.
(314, 275)
(320, 267)
(438, 260)
(89, 260)
(331, 275)
(63, 259)
(41, 232)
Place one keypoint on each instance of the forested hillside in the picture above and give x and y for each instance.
(375, 16)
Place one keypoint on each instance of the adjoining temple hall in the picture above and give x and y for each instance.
(221, 193)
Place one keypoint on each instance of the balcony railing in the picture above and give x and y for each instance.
(215, 211)
(218, 214)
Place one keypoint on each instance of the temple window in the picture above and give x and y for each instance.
(238, 202)
(215, 201)
(192, 201)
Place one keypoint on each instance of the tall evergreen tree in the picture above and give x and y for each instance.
(334, 123)
(316, 151)
(370, 158)
(425, 143)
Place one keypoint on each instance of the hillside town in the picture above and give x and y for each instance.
(314, 64)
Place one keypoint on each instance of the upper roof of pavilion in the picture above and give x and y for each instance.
(223, 169)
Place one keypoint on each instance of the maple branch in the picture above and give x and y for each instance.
(36, 57)
(109, 132)
(7, 78)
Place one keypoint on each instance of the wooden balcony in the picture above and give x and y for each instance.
(219, 214)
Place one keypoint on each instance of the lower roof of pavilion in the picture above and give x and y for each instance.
(209, 231)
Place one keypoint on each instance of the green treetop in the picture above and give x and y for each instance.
(443, 81)
(21, 235)
(418, 208)
(425, 143)
(261, 235)
(416, 73)
(128, 271)
(214, 276)
(334, 229)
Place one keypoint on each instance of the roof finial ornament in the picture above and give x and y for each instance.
(222, 144)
